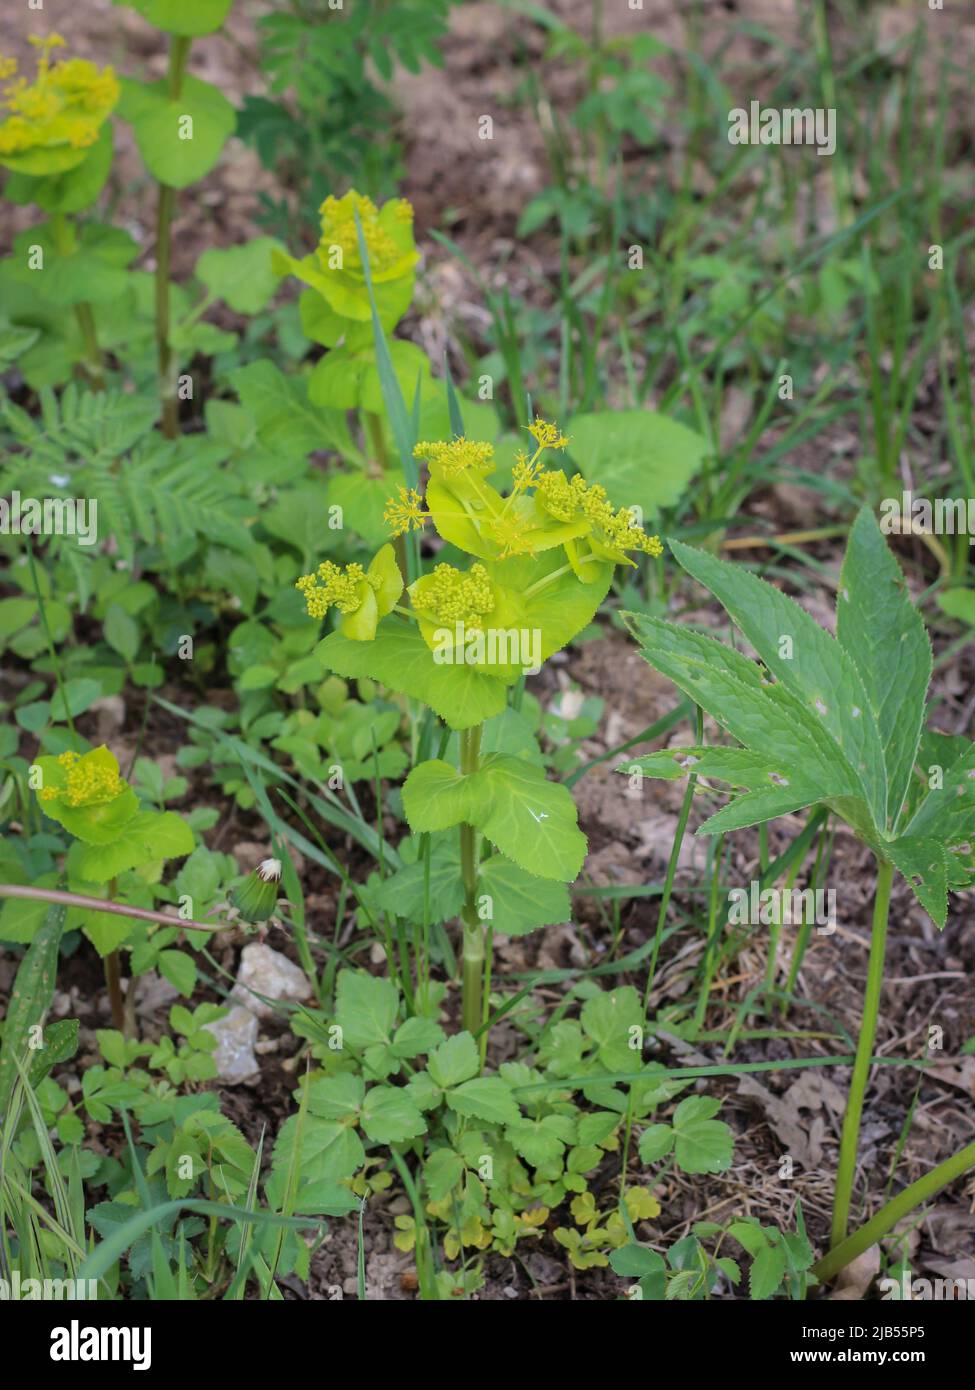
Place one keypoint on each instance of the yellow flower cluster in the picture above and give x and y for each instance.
(565, 500)
(450, 596)
(339, 229)
(525, 471)
(330, 585)
(88, 784)
(66, 104)
(407, 514)
(457, 455)
(547, 436)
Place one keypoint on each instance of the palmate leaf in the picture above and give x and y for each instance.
(823, 720)
(801, 655)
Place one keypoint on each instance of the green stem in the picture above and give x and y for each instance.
(861, 1067)
(167, 381)
(894, 1211)
(178, 55)
(472, 971)
(93, 353)
(374, 428)
(113, 979)
(65, 241)
(682, 819)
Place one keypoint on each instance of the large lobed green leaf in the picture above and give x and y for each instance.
(884, 635)
(806, 660)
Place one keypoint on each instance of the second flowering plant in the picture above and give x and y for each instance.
(460, 639)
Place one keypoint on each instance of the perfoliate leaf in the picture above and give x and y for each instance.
(436, 796)
(147, 837)
(399, 658)
(521, 901)
(530, 819)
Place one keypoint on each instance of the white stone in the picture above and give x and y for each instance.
(269, 973)
(236, 1035)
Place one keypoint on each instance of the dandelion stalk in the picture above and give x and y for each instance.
(178, 55)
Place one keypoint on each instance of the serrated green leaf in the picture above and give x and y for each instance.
(535, 1142)
(442, 1172)
(365, 1008)
(701, 1143)
(390, 1117)
(336, 1097)
(767, 1272)
(884, 635)
(454, 1061)
(485, 1098)
(924, 864)
(809, 663)
(655, 1143)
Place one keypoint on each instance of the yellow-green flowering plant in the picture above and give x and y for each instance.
(336, 312)
(53, 122)
(113, 837)
(542, 559)
(56, 140)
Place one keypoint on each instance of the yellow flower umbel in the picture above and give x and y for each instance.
(54, 120)
(90, 780)
(335, 269)
(457, 456)
(361, 596)
(449, 596)
(546, 436)
(407, 514)
(85, 794)
(612, 531)
(387, 235)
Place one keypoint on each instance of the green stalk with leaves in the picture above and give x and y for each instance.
(832, 721)
(542, 561)
(181, 125)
